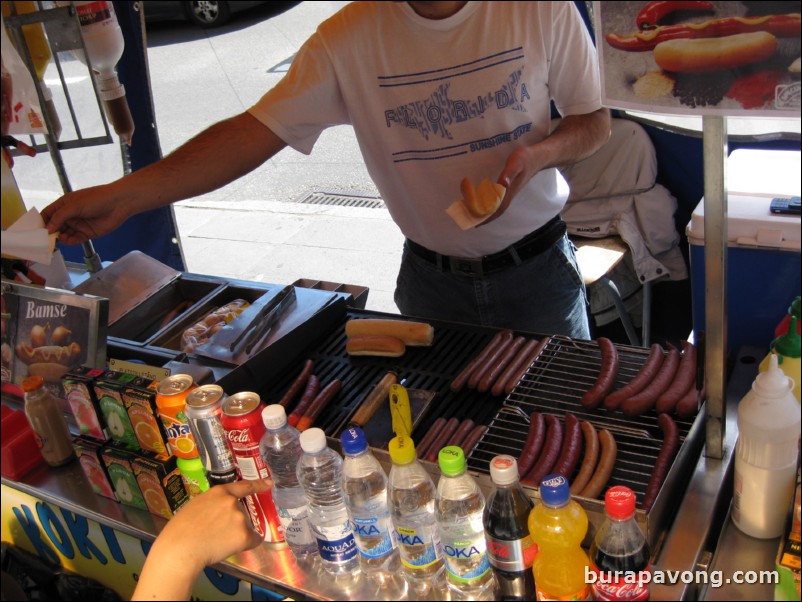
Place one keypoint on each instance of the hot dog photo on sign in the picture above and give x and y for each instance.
(725, 58)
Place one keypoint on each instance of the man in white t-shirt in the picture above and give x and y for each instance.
(435, 91)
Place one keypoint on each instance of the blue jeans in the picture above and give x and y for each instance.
(542, 295)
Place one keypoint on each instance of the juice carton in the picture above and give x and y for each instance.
(89, 451)
(79, 388)
(160, 483)
(118, 462)
(140, 402)
(109, 390)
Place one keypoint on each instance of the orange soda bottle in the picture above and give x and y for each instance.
(558, 525)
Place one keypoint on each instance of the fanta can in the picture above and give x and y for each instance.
(171, 400)
(558, 525)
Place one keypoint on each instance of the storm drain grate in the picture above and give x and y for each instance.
(317, 197)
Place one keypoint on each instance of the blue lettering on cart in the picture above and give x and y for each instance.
(113, 543)
(79, 529)
(31, 528)
(55, 530)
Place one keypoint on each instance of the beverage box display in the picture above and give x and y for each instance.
(89, 453)
(763, 269)
(140, 402)
(79, 388)
(109, 390)
(161, 484)
(119, 464)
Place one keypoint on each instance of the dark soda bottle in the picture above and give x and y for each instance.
(509, 546)
(619, 554)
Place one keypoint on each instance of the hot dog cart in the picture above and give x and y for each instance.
(683, 526)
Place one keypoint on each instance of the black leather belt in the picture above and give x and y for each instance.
(518, 252)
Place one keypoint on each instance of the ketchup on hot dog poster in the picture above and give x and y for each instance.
(715, 58)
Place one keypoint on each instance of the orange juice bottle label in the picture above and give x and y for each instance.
(583, 594)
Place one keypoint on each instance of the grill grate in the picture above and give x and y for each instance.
(554, 384)
(336, 199)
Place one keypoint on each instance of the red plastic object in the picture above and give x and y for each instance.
(20, 454)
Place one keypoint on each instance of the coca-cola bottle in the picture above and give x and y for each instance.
(619, 554)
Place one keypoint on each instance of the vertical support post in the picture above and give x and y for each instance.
(714, 144)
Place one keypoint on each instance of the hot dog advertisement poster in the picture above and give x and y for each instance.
(700, 58)
(47, 333)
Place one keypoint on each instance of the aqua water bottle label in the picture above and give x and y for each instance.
(373, 537)
(295, 522)
(335, 542)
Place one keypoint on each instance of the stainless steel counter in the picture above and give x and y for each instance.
(701, 537)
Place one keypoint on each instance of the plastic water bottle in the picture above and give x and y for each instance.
(766, 454)
(459, 511)
(509, 546)
(365, 491)
(412, 495)
(619, 554)
(280, 447)
(558, 525)
(320, 474)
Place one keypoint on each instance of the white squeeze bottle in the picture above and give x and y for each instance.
(766, 454)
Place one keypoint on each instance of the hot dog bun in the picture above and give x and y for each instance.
(482, 200)
(714, 54)
(411, 333)
(375, 344)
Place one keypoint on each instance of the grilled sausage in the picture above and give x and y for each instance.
(644, 401)
(298, 384)
(497, 368)
(589, 460)
(442, 439)
(533, 444)
(510, 384)
(479, 359)
(689, 404)
(571, 447)
(427, 439)
(323, 398)
(473, 439)
(492, 359)
(607, 374)
(463, 430)
(639, 382)
(609, 451)
(378, 394)
(514, 367)
(548, 457)
(664, 459)
(310, 392)
(683, 380)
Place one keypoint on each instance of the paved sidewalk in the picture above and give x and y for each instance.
(253, 229)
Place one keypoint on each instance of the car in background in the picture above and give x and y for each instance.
(204, 14)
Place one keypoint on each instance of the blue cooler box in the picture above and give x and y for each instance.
(763, 269)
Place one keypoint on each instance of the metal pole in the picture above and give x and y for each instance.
(714, 146)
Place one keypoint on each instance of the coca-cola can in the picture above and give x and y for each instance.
(204, 412)
(242, 422)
